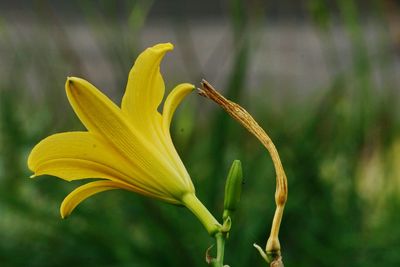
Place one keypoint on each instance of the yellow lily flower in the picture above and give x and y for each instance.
(127, 148)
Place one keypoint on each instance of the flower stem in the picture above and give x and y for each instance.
(219, 260)
(213, 227)
(201, 212)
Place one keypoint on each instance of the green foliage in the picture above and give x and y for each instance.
(340, 152)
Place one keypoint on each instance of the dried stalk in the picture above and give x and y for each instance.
(272, 252)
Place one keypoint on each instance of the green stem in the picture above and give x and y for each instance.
(219, 260)
(201, 212)
(213, 227)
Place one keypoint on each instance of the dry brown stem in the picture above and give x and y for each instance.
(247, 121)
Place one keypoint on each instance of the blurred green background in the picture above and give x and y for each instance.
(322, 77)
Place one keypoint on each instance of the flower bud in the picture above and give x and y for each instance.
(233, 189)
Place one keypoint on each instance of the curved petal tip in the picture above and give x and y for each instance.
(71, 80)
(163, 47)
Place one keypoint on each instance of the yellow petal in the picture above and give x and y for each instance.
(144, 93)
(173, 100)
(87, 190)
(145, 87)
(171, 103)
(75, 169)
(81, 155)
(76, 155)
(102, 117)
(83, 192)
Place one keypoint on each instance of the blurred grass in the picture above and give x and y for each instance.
(341, 150)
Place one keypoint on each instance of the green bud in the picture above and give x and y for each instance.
(233, 189)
